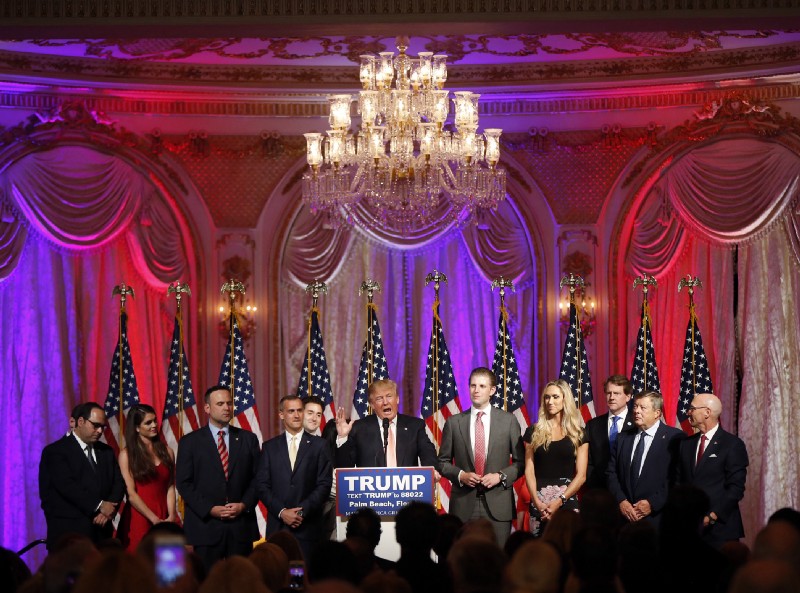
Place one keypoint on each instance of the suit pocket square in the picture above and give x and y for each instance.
(712, 455)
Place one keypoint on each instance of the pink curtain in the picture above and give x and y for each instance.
(469, 310)
(77, 223)
(733, 192)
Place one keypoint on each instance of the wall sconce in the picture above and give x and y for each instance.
(247, 320)
(586, 310)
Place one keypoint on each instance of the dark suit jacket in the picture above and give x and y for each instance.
(201, 482)
(505, 454)
(658, 470)
(721, 474)
(599, 450)
(364, 446)
(307, 486)
(71, 490)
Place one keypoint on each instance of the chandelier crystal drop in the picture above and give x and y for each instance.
(404, 160)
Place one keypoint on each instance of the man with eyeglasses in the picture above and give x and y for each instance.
(385, 438)
(715, 461)
(80, 484)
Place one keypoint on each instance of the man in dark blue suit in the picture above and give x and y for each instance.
(643, 465)
(603, 431)
(385, 438)
(294, 477)
(716, 462)
(215, 474)
(80, 484)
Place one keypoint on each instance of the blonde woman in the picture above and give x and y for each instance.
(556, 455)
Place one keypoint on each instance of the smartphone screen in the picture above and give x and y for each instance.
(297, 575)
(170, 560)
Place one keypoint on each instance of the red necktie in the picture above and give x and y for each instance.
(701, 449)
(223, 452)
(480, 445)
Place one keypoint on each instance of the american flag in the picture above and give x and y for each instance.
(121, 385)
(373, 365)
(235, 375)
(440, 397)
(318, 381)
(575, 366)
(695, 375)
(644, 375)
(180, 405)
(509, 395)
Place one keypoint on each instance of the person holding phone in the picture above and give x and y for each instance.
(148, 468)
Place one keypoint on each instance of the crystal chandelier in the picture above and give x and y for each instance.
(404, 161)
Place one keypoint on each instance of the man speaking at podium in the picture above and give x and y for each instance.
(385, 438)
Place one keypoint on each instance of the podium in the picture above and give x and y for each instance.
(385, 490)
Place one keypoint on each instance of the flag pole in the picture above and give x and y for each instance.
(232, 287)
(437, 278)
(691, 283)
(123, 290)
(370, 286)
(502, 283)
(179, 290)
(574, 282)
(645, 281)
(315, 288)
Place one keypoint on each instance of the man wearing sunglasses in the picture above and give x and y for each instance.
(80, 484)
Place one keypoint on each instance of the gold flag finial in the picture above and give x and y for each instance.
(316, 288)
(574, 282)
(179, 290)
(645, 282)
(369, 286)
(501, 283)
(123, 290)
(437, 278)
(232, 287)
(690, 283)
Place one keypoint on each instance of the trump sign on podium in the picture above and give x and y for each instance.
(383, 489)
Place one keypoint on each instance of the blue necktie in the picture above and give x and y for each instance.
(612, 436)
(636, 464)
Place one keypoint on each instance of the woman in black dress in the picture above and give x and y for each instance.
(556, 455)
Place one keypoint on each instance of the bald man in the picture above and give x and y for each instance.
(716, 462)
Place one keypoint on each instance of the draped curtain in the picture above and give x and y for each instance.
(75, 224)
(733, 193)
(470, 257)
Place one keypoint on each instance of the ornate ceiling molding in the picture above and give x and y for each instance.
(31, 66)
(314, 106)
(19, 15)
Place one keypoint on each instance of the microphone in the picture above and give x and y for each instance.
(385, 438)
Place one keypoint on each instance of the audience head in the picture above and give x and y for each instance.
(787, 514)
(382, 395)
(618, 390)
(332, 560)
(384, 582)
(233, 575)
(115, 572)
(478, 528)
(648, 408)
(778, 541)
(560, 530)
(515, 541)
(765, 576)
(66, 561)
(313, 410)
(415, 528)
(273, 564)
(13, 571)
(594, 556)
(366, 524)
(535, 568)
(599, 508)
(684, 511)
(448, 529)
(476, 565)
(288, 543)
